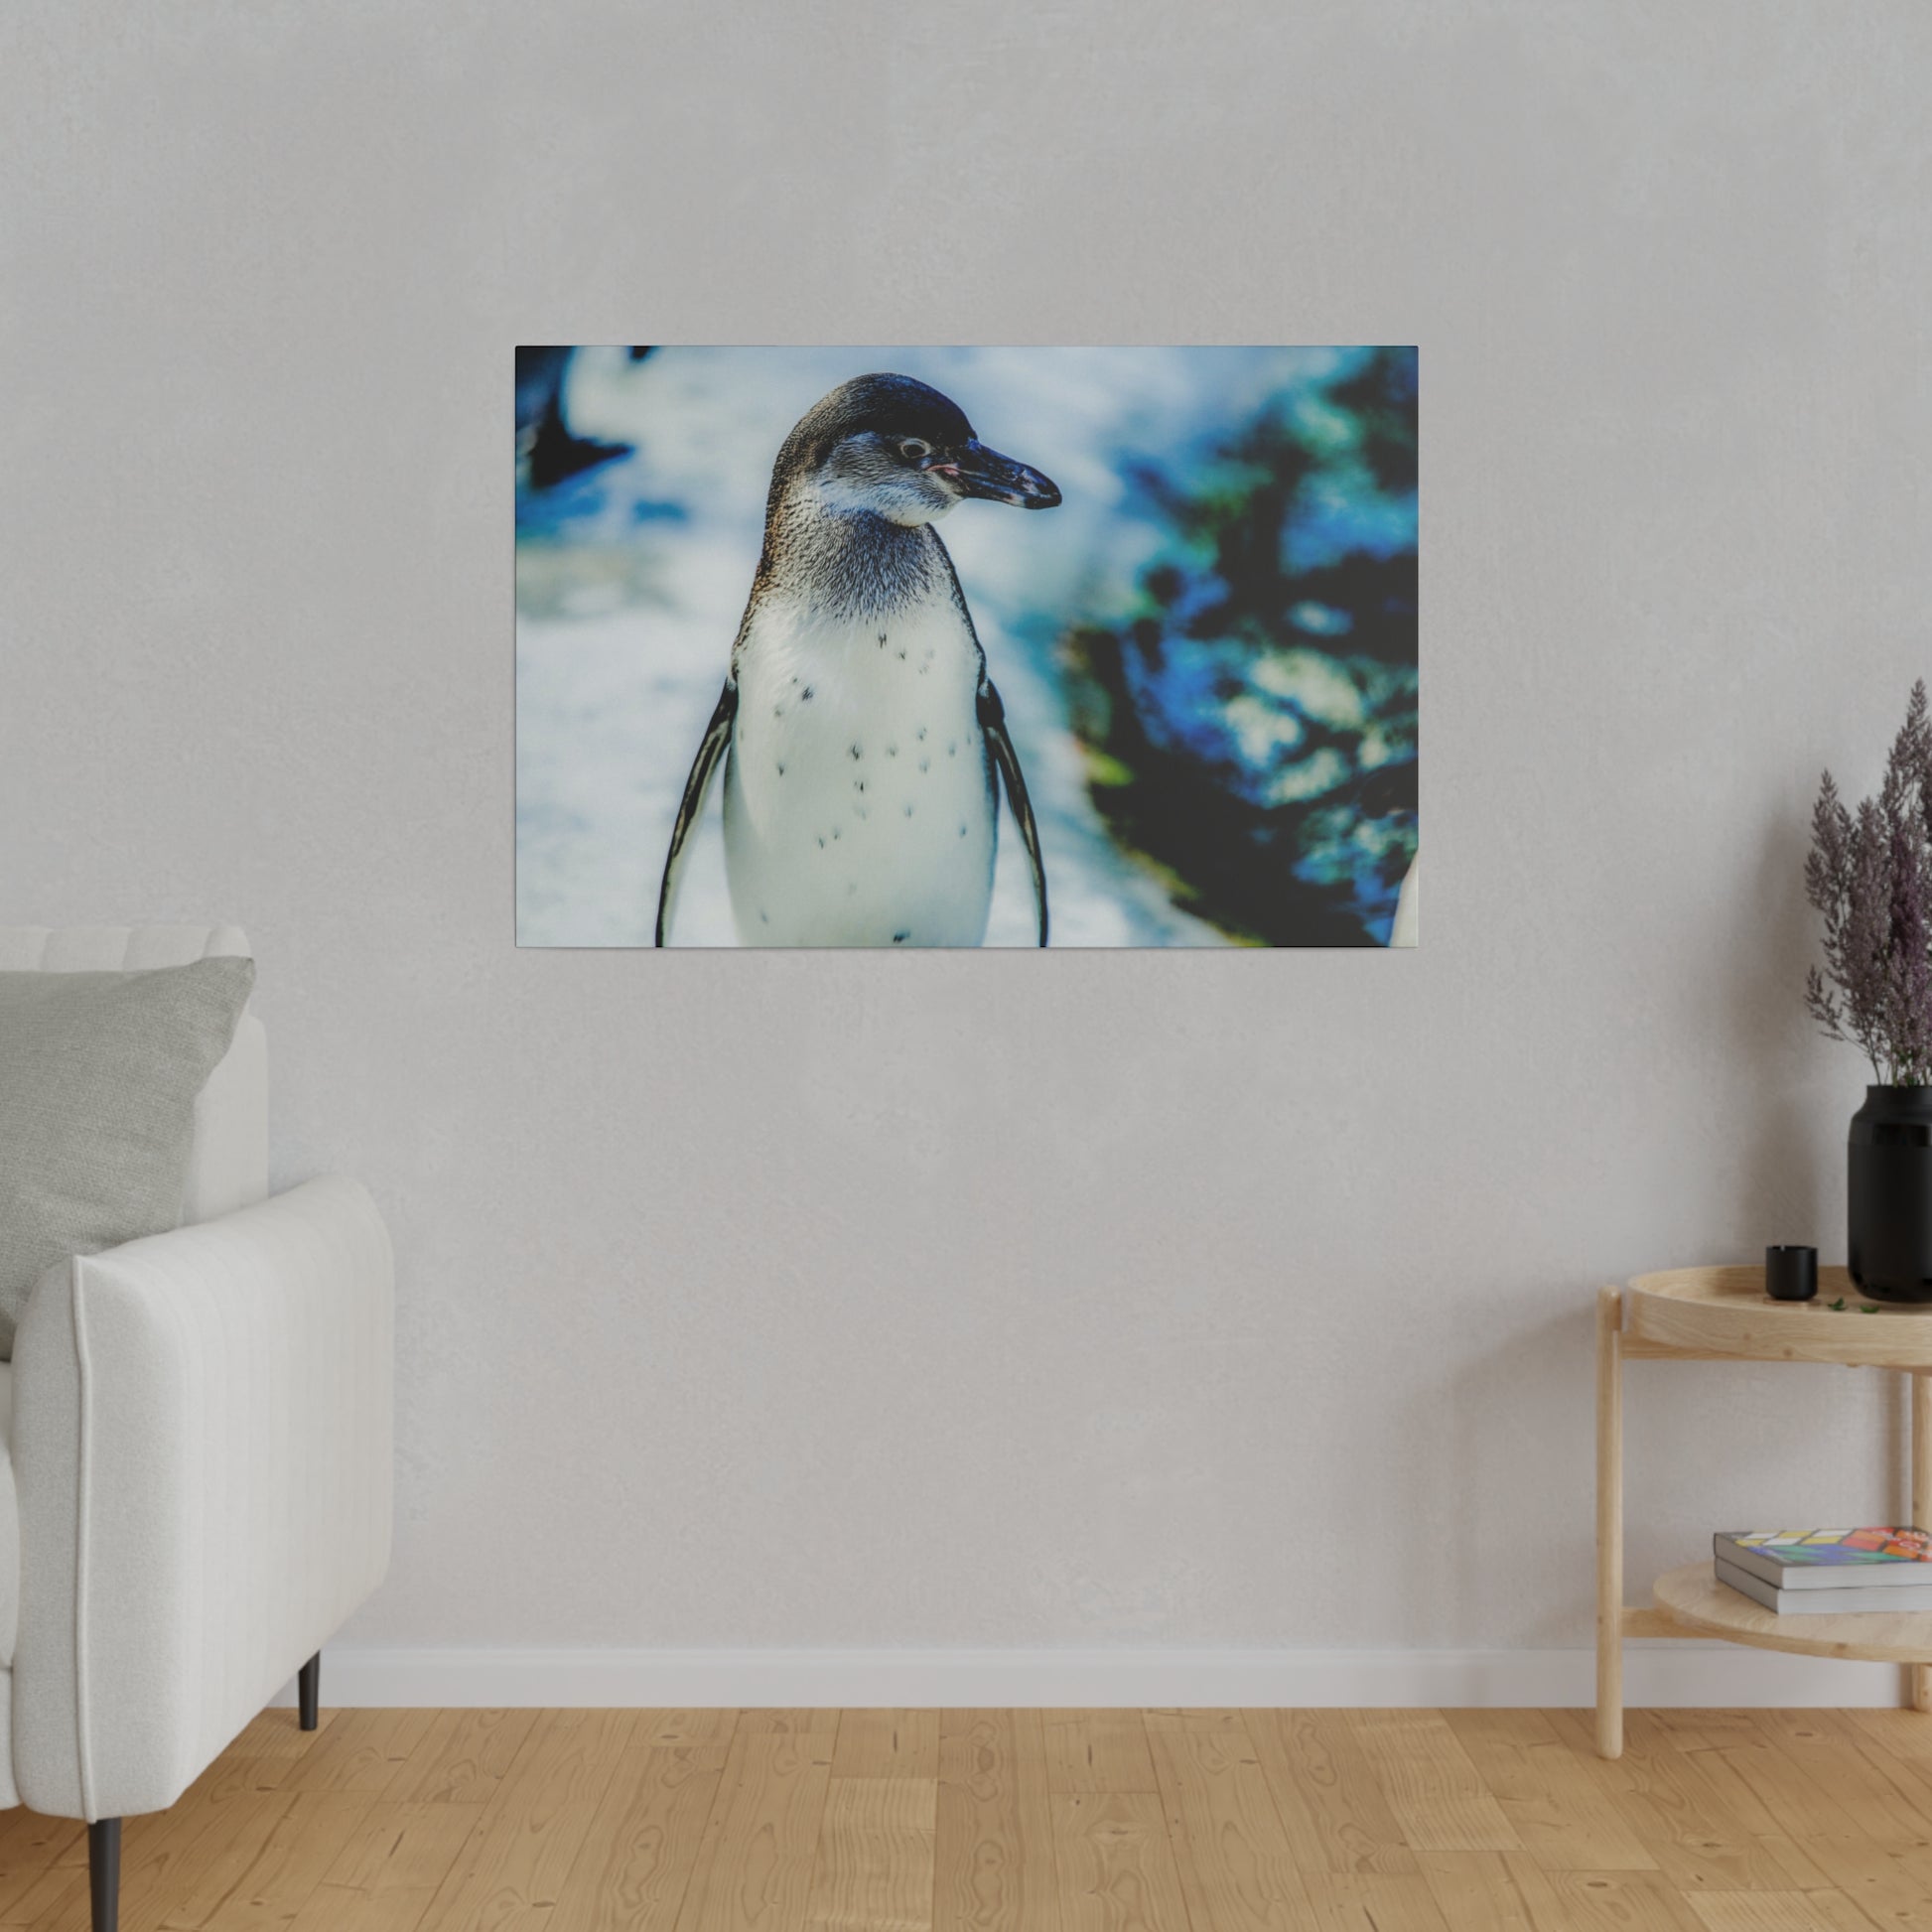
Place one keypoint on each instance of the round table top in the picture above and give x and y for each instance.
(1694, 1597)
(1725, 1311)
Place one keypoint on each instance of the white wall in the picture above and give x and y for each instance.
(984, 1301)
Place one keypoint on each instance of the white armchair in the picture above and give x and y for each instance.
(198, 1426)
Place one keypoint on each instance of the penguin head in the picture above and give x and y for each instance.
(898, 449)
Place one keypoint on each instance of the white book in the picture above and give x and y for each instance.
(1897, 1599)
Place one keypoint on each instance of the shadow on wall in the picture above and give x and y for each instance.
(1784, 1193)
(1512, 1410)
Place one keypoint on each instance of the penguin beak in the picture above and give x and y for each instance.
(977, 470)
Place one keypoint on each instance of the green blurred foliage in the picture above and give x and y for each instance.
(1251, 729)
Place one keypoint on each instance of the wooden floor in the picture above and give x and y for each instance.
(1029, 1821)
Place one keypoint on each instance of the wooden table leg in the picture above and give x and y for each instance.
(1609, 1522)
(1921, 1674)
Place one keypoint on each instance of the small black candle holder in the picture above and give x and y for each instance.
(1791, 1273)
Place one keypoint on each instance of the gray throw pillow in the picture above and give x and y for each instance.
(99, 1075)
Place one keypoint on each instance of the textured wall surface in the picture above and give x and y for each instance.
(1097, 1299)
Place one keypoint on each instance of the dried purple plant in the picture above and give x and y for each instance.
(1870, 876)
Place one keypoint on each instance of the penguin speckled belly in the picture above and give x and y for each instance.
(863, 740)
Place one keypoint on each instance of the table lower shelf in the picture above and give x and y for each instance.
(1696, 1602)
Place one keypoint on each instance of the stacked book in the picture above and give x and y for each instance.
(1828, 1573)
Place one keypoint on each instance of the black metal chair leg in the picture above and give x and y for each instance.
(308, 1685)
(104, 1872)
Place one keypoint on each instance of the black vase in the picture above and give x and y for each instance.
(1891, 1196)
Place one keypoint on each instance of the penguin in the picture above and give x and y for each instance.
(863, 743)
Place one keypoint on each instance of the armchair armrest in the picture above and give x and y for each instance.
(204, 1456)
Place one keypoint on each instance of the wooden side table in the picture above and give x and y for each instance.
(1705, 1314)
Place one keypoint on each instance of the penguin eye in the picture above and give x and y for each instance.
(913, 449)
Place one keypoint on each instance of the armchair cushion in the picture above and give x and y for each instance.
(202, 1451)
(9, 1524)
(100, 1074)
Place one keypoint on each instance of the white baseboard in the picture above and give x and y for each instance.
(1665, 1675)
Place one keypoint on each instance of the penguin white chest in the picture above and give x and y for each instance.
(858, 800)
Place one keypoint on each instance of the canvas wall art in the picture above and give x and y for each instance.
(916, 646)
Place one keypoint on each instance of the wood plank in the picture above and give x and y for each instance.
(295, 1857)
(279, 1733)
(512, 1868)
(1713, 1786)
(1435, 1793)
(463, 1759)
(1890, 1884)
(30, 1848)
(362, 1750)
(1886, 1801)
(644, 1843)
(1618, 1901)
(220, 1841)
(686, 1726)
(1490, 1891)
(1900, 1752)
(228, 1776)
(994, 1868)
(1097, 1750)
(1696, 1841)
(61, 1897)
(1710, 1774)
(799, 1722)
(1373, 1901)
(1774, 1795)
(1551, 1795)
(874, 1869)
(1330, 1805)
(48, 1862)
(1802, 1871)
(1222, 1723)
(1780, 1911)
(1697, 1729)
(384, 1879)
(886, 1745)
(1116, 1868)
(1900, 1734)
(216, 1826)
(757, 1866)
(1237, 1870)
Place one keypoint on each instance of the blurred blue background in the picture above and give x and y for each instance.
(1209, 653)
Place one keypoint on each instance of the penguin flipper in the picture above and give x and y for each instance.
(717, 736)
(993, 721)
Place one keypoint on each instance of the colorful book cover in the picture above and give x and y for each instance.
(1822, 1548)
